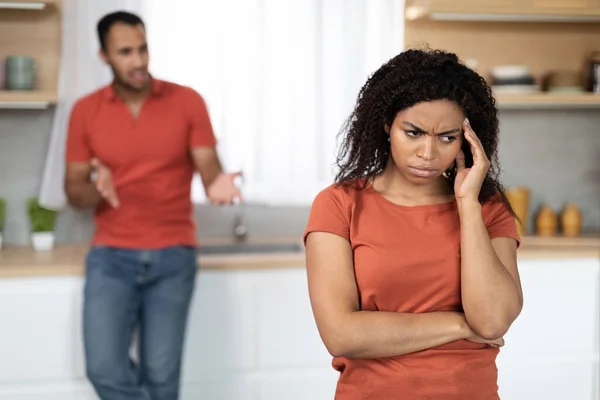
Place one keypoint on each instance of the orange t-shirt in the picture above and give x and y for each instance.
(407, 259)
(150, 160)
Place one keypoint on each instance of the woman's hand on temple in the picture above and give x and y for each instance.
(468, 182)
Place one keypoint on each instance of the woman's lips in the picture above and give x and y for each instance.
(424, 172)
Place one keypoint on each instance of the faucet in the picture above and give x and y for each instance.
(239, 228)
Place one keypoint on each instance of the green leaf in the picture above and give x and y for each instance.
(40, 218)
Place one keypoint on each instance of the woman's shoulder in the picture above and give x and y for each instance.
(344, 192)
(332, 210)
(496, 207)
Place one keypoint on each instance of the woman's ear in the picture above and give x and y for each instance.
(386, 128)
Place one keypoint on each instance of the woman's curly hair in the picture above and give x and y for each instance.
(412, 77)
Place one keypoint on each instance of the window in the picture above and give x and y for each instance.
(279, 79)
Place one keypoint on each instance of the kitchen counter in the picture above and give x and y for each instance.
(22, 261)
(248, 308)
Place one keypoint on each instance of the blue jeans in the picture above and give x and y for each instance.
(145, 289)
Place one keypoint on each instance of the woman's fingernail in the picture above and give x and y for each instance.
(467, 121)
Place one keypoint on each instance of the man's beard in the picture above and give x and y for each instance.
(124, 84)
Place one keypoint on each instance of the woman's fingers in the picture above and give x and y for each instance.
(477, 150)
(460, 161)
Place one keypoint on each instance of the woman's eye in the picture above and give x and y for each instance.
(412, 133)
(448, 139)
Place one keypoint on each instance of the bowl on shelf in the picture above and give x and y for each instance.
(563, 82)
(513, 79)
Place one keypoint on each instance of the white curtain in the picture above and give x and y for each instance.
(279, 77)
(81, 71)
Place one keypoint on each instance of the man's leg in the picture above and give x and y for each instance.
(110, 311)
(168, 289)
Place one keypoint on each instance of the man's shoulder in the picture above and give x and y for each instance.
(92, 98)
(179, 91)
(173, 87)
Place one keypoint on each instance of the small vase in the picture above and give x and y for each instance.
(42, 241)
(571, 220)
(546, 221)
(519, 201)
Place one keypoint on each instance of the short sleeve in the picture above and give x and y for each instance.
(499, 222)
(327, 214)
(77, 147)
(201, 130)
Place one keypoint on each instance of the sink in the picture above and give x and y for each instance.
(245, 248)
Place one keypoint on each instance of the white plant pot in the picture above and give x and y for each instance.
(42, 241)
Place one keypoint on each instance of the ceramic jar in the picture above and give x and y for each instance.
(20, 73)
(571, 220)
(546, 221)
(519, 201)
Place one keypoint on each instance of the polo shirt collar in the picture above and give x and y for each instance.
(156, 89)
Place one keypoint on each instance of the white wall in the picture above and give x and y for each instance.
(252, 337)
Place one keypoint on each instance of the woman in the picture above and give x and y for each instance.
(411, 254)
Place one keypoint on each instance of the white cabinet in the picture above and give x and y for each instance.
(552, 350)
(251, 336)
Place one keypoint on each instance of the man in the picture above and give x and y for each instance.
(132, 149)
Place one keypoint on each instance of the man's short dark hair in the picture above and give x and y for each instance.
(109, 20)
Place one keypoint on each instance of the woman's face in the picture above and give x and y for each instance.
(425, 139)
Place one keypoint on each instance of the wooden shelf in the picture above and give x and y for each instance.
(547, 100)
(542, 47)
(504, 10)
(27, 4)
(586, 239)
(32, 29)
(27, 100)
(590, 17)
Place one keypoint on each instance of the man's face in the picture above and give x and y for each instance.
(127, 54)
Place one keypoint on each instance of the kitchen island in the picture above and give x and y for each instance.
(252, 336)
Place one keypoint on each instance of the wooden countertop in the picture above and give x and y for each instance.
(23, 261)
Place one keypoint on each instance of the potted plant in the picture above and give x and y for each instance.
(2, 217)
(41, 221)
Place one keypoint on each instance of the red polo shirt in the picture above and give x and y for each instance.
(149, 157)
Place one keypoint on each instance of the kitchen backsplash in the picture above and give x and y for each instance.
(554, 153)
